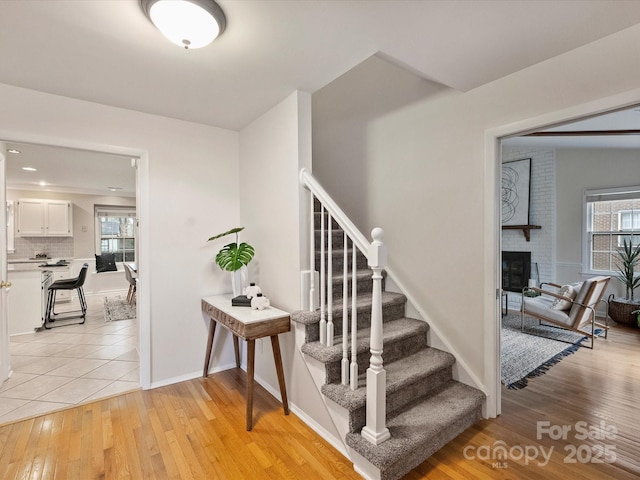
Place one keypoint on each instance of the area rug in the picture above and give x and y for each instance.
(117, 308)
(527, 355)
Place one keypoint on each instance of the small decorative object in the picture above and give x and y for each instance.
(234, 258)
(241, 301)
(621, 310)
(259, 302)
(535, 274)
(252, 290)
(637, 312)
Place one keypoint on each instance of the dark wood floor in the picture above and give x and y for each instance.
(195, 429)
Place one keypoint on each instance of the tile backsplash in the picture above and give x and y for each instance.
(27, 247)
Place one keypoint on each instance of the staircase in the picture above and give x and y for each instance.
(425, 407)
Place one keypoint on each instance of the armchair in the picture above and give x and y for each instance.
(570, 311)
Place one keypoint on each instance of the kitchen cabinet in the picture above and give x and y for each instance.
(44, 218)
(24, 301)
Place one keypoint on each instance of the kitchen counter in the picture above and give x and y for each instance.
(34, 264)
(33, 267)
(24, 267)
(28, 260)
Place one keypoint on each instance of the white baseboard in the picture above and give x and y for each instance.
(189, 376)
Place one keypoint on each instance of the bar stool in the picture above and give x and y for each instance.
(67, 284)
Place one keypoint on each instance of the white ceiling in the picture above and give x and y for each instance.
(69, 170)
(106, 51)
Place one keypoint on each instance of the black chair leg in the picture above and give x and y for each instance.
(50, 302)
(83, 302)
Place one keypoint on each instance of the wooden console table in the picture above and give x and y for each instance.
(249, 325)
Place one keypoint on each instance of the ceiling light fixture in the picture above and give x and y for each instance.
(114, 189)
(29, 169)
(13, 150)
(187, 23)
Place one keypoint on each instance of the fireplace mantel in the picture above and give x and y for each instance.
(526, 229)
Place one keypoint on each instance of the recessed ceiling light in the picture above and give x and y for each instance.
(114, 189)
(13, 150)
(29, 169)
(43, 183)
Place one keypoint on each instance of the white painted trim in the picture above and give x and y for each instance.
(143, 262)
(5, 356)
(492, 230)
(491, 281)
(190, 376)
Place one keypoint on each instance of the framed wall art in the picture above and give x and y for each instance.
(516, 183)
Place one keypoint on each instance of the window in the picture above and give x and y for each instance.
(115, 232)
(612, 216)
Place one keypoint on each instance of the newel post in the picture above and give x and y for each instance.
(376, 431)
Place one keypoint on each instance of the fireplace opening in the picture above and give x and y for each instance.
(516, 270)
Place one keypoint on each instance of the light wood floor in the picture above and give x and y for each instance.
(195, 429)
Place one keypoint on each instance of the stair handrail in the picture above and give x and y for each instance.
(375, 431)
(308, 181)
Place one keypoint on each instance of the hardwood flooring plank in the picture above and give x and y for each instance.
(196, 429)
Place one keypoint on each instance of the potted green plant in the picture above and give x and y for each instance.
(234, 257)
(621, 309)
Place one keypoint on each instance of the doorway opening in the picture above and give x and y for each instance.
(98, 358)
(568, 136)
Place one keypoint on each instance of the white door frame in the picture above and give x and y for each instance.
(5, 355)
(492, 229)
(143, 294)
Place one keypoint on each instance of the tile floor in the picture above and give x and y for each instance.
(62, 367)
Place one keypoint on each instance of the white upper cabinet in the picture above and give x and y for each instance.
(44, 218)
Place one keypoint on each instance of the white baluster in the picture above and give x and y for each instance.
(354, 322)
(312, 258)
(345, 314)
(323, 286)
(330, 327)
(375, 430)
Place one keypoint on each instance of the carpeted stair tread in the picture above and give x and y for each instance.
(424, 427)
(337, 259)
(394, 331)
(363, 304)
(400, 374)
(361, 276)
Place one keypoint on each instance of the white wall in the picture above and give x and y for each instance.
(426, 181)
(189, 189)
(273, 149)
(577, 170)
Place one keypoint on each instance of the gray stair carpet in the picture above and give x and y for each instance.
(426, 408)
